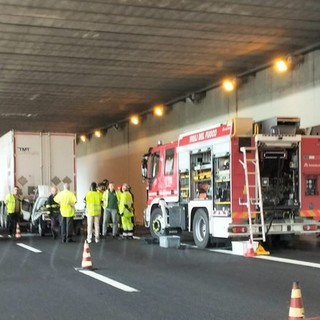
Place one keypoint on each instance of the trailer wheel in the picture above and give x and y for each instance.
(77, 228)
(156, 227)
(201, 229)
(32, 228)
(41, 228)
(3, 216)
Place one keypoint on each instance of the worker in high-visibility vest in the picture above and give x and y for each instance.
(54, 209)
(67, 200)
(13, 203)
(126, 212)
(93, 201)
(110, 203)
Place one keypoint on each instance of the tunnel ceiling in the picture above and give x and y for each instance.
(76, 65)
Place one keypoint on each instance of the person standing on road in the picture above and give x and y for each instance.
(13, 204)
(126, 212)
(101, 188)
(67, 200)
(54, 210)
(93, 205)
(119, 193)
(110, 203)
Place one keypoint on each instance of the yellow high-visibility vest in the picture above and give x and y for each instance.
(126, 204)
(10, 202)
(66, 199)
(93, 203)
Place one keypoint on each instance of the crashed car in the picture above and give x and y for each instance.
(41, 222)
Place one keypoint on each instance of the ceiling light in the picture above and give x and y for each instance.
(281, 65)
(83, 138)
(158, 110)
(229, 85)
(135, 120)
(97, 134)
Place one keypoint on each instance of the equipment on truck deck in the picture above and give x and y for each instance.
(235, 180)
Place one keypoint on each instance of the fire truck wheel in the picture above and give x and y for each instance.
(156, 227)
(201, 229)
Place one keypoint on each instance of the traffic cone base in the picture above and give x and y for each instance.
(261, 251)
(18, 233)
(250, 252)
(86, 258)
(296, 310)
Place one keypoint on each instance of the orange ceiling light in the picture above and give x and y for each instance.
(281, 65)
(229, 84)
(97, 134)
(158, 110)
(135, 120)
(83, 138)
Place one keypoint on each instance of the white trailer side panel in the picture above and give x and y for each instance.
(6, 164)
(28, 161)
(60, 160)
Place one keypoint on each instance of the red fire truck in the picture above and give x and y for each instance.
(235, 180)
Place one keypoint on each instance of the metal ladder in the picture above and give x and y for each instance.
(251, 169)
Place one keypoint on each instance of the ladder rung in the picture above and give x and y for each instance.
(258, 238)
(251, 172)
(248, 148)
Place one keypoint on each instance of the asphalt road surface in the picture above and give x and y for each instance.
(136, 280)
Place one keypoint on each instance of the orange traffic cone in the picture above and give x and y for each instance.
(250, 252)
(296, 310)
(86, 258)
(18, 233)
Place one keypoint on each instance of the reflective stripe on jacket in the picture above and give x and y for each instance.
(66, 199)
(93, 203)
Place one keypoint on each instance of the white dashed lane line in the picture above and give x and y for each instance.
(22, 245)
(107, 280)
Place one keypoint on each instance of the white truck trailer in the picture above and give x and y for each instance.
(30, 159)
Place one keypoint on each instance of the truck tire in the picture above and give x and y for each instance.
(3, 216)
(32, 228)
(156, 227)
(41, 228)
(201, 229)
(77, 228)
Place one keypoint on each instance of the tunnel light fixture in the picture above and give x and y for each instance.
(97, 134)
(83, 138)
(229, 84)
(135, 119)
(158, 110)
(281, 65)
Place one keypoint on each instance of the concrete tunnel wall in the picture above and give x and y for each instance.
(117, 156)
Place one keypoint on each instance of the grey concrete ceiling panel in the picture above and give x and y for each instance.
(77, 65)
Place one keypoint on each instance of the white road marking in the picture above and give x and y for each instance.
(270, 258)
(223, 251)
(28, 247)
(290, 261)
(107, 280)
